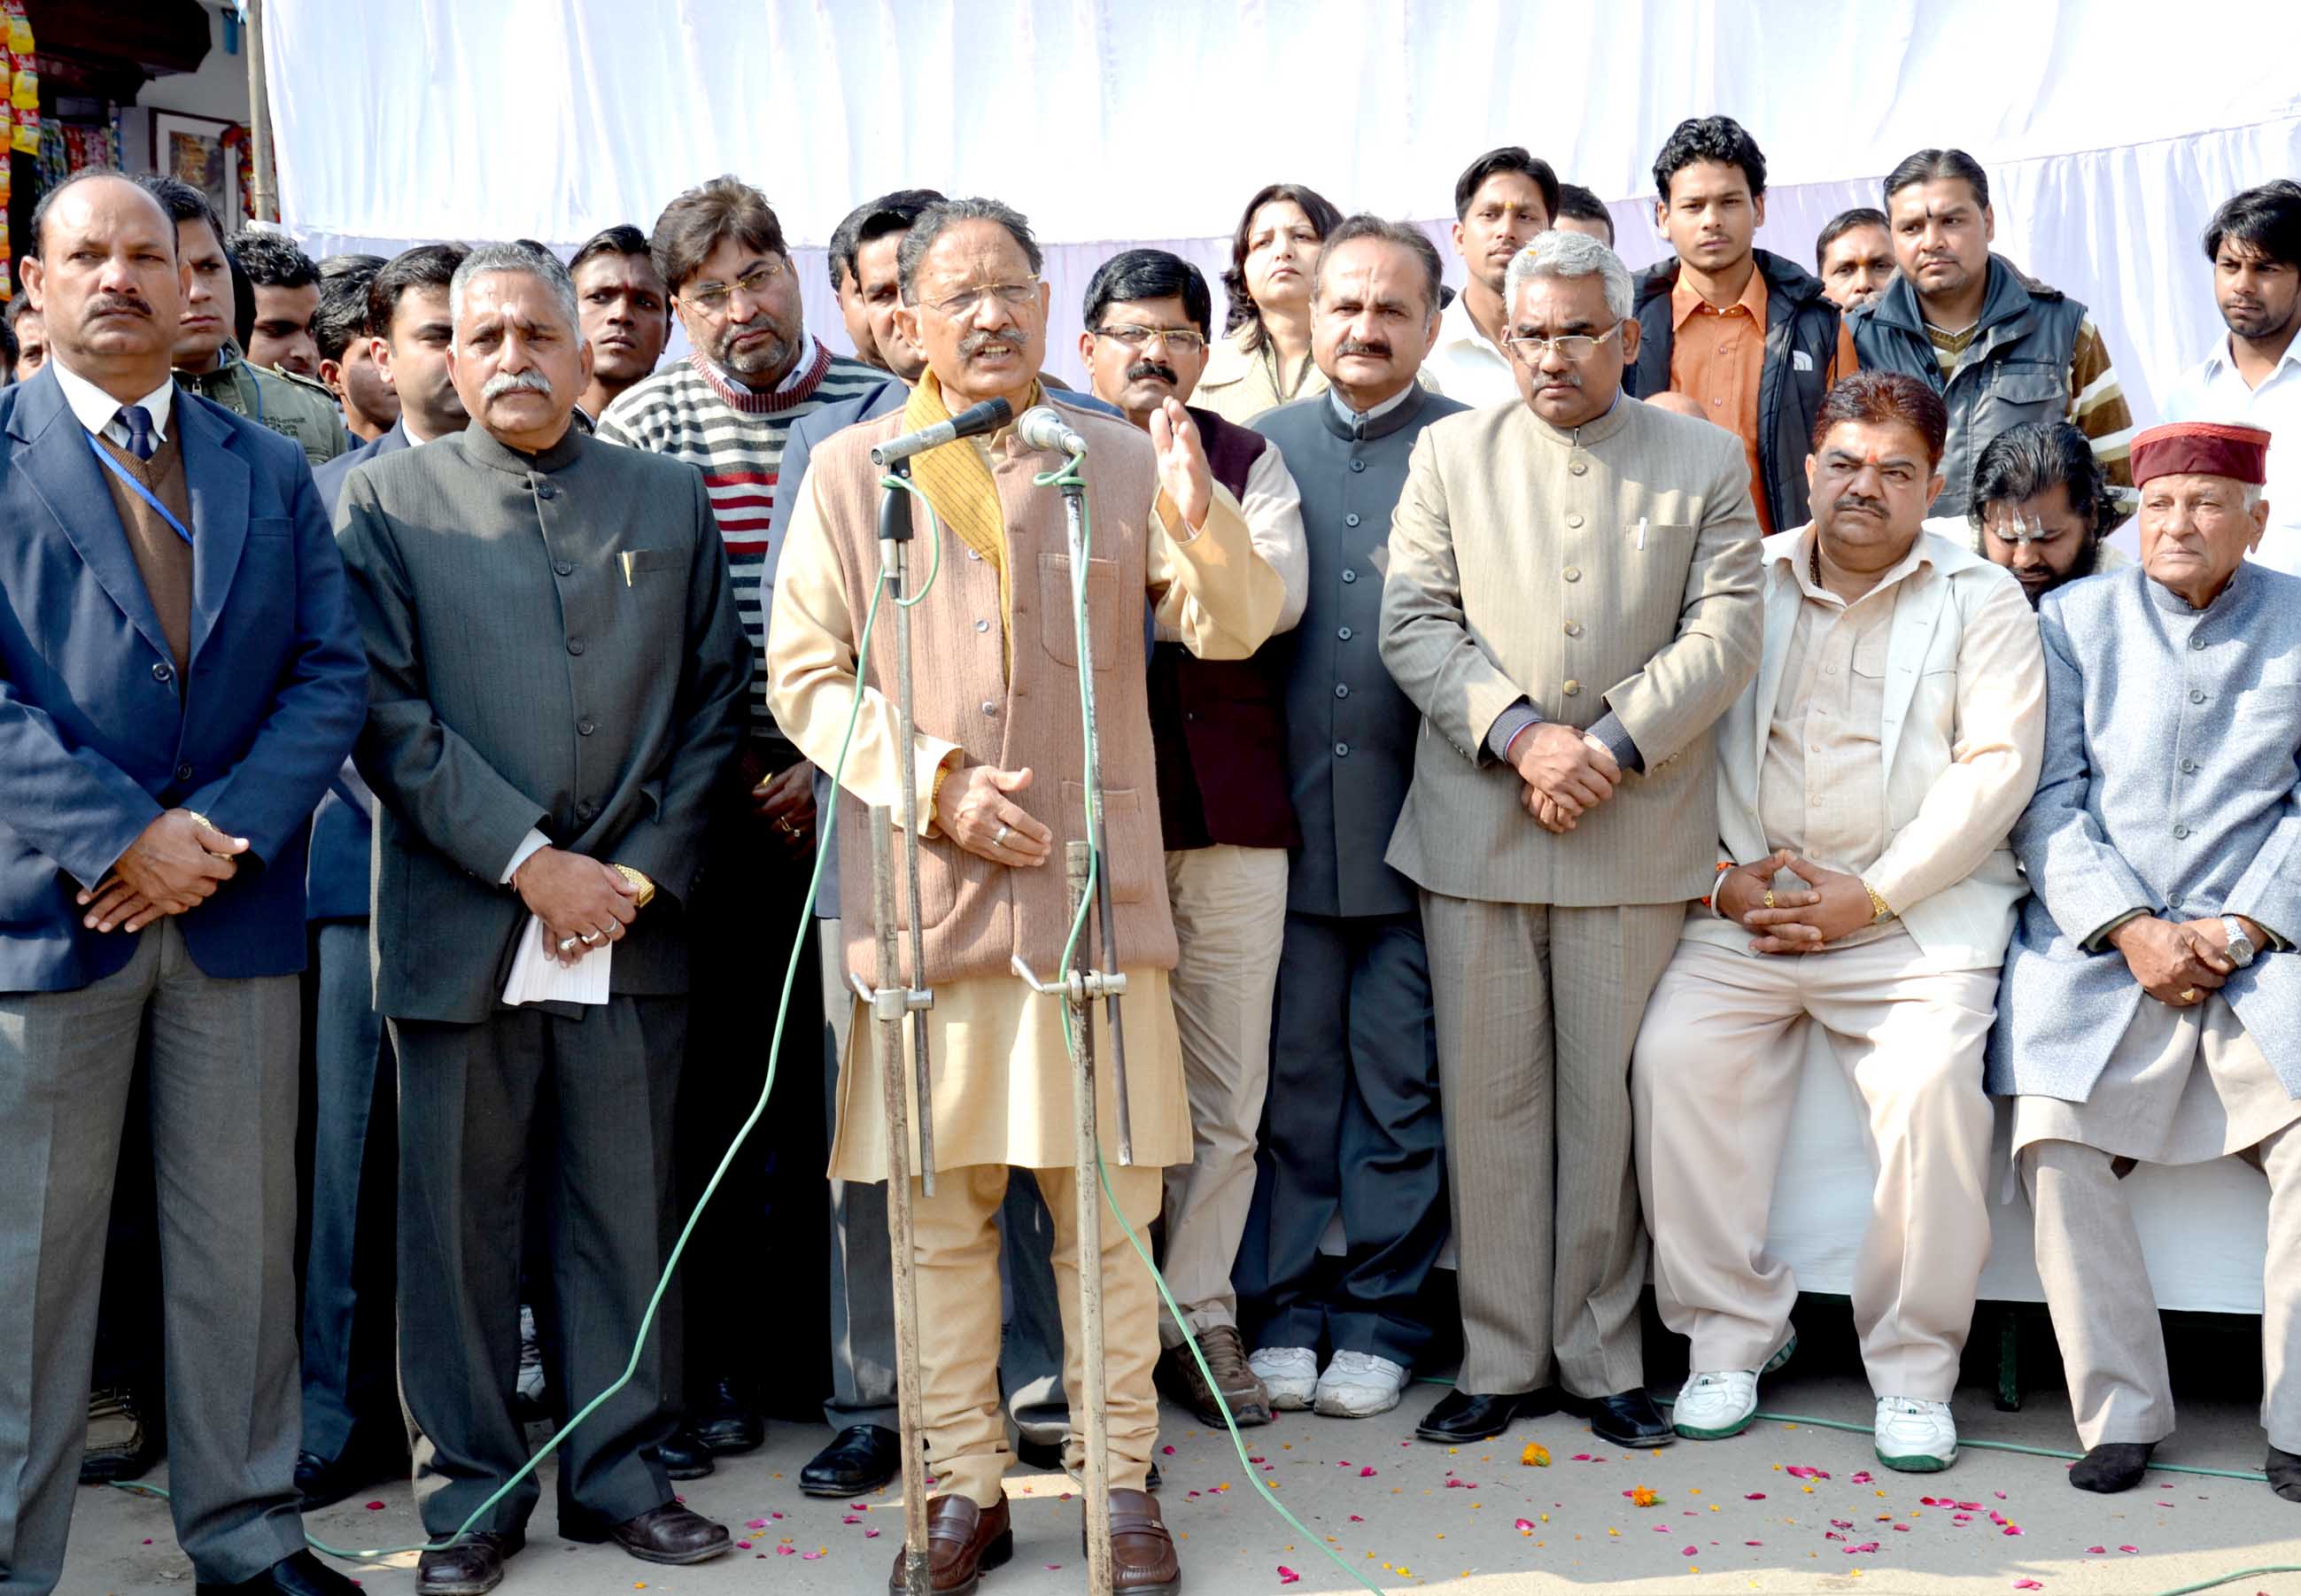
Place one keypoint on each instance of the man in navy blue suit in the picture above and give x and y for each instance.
(179, 678)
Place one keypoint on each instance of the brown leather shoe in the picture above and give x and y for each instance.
(672, 1533)
(1225, 1354)
(962, 1539)
(1142, 1546)
(471, 1567)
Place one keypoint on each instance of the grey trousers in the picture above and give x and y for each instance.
(1537, 1010)
(862, 1278)
(1352, 1128)
(223, 1062)
(594, 1097)
(351, 1399)
(2105, 1314)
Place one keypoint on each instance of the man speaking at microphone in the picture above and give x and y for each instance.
(998, 753)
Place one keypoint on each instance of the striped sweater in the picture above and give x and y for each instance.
(735, 438)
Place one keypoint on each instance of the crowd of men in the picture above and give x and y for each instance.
(1552, 714)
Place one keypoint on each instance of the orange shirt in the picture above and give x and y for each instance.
(1717, 358)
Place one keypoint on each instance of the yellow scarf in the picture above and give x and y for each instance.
(959, 484)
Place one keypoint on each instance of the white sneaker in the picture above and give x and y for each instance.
(1289, 1373)
(1359, 1385)
(1915, 1437)
(1715, 1403)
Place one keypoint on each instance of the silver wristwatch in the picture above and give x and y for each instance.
(2240, 946)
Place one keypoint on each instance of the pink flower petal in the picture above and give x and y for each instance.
(870, 1534)
(1688, 1552)
(1356, 1519)
(2097, 1550)
(2128, 1549)
(1753, 1543)
(1754, 1496)
(1287, 1576)
(755, 1523)
(786, 1551)
(809, 1557)
(1367, 1473)
(1167, 1449)
(1862, 1478)
(2027, 1584)
(375, 1506)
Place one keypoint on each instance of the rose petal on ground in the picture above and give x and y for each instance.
(1286, 1576)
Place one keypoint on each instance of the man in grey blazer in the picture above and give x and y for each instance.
(557, 681)
(2151, 1005)
(1572, 601)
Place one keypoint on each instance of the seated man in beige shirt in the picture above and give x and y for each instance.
(1866, 784)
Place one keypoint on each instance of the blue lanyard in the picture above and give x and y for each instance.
(137, 488)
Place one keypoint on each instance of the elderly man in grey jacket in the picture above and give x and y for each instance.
(2151, 1004)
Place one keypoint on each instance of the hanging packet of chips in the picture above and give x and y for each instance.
(26, 81)
(20, 27)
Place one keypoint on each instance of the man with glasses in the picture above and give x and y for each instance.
(728, 410)
(1353, 1129)
(997, 755)
(1572, 601)
(1226, 818)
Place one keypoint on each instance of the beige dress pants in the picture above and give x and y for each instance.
(956, 1233)
(1535, 1009)
(1230, 922)
(1715, 1078)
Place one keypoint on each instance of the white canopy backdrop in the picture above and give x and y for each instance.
(2110, 127)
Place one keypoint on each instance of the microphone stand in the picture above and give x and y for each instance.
(890, 1002)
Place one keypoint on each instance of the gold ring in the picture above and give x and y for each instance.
(1770, 898)
(2188, 994)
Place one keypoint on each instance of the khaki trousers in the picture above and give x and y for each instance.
(1230, 923)
(1715, 1078)
(2105, 1312)
(956, 1232)
(1536, 1008)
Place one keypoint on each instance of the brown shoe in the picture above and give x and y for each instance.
(673, 1534)
(962, 1539)
(1225, 1354)
(1142, 1546)
(471, 1567)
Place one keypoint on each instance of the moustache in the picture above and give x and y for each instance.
(505, 382)
(1368, 346)
(1143, 370)
(974, 343)
(1856, 501)
(105, 304)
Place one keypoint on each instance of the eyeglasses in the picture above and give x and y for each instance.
(1577, 347)
(1013, 296)
(712, 296)
(1183, 341)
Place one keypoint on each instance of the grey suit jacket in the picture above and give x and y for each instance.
(1613, 567)
(1350, 731)
(2171, 784)
(552, 644)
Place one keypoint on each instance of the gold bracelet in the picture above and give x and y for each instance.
(646, 887)
(1880, 910)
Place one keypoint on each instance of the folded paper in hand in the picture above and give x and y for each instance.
(539, 977)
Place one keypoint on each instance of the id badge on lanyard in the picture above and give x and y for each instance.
(137, 488)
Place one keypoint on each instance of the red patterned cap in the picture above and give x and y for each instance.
(2202, 449)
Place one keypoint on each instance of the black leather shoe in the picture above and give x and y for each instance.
(727, 1421)
(299, 1573)
(860, 1458)
(2284, 1471)
(683, 1455)
(1626, 1418)
(1461, 1416)
(471, 1567)
(323, 1481)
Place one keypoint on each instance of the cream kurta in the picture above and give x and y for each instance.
(1002, 1081)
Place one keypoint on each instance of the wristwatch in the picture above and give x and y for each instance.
(2240, 946)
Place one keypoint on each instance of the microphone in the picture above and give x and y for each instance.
(1043, 427)
(971, 422)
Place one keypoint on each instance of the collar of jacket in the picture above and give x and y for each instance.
(1788, 285)
(1596, 429)
(230, 370)
(483, 447)
(1382, 426)
(1785, 550)
(2234, 595)
(2009, 296)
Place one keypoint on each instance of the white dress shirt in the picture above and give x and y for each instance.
(1466, 365)
(2212, 391)
(99, 412)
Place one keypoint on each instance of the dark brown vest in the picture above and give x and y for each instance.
(163, 558)
(1219, 725)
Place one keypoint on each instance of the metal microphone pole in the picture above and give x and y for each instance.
(895, 559)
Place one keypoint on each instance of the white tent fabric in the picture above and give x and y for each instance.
(2110, 127)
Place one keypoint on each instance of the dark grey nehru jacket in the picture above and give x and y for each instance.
(552, 644)
(1350, 733)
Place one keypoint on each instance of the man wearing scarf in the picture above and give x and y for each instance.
(1000, 772)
